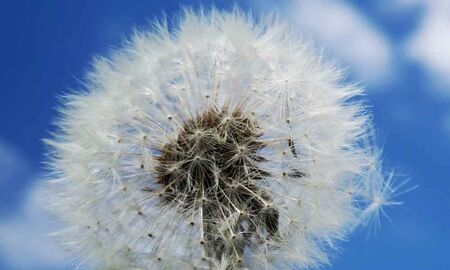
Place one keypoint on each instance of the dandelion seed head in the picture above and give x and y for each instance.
(223, 144)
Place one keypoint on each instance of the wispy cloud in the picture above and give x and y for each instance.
(429, 44)
(24, 240)
(346, 34)
(446, 123)
(12, 162)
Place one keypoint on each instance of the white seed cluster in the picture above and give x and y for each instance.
(221, 144)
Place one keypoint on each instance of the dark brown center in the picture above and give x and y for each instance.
(212, 168)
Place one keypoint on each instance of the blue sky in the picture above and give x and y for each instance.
(399, 50)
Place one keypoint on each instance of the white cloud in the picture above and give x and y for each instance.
(446, 123)
(24, 240)
(430, 43)
(24, 243)
(348, 35)
(402, 4)
(11, 162)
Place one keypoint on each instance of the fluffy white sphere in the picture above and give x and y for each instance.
(221, 144)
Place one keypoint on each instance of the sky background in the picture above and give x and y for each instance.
(399, 50)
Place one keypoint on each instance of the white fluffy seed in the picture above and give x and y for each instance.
(323, 177)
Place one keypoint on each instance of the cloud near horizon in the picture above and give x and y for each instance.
(24, 237)
(24, 240)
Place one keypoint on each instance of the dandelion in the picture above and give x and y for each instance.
(223, 144)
